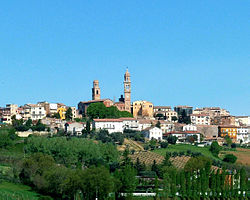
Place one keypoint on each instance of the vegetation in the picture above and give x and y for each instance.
(230, 158)
(68, 114)
(215, 148)
(100, 111)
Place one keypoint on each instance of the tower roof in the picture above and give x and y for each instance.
(127, 73)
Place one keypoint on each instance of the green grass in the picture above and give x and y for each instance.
(13, 191)
(184, 147)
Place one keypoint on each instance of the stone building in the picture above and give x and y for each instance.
(143, 109)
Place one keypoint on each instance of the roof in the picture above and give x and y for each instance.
(228, 126)
(149, 128)
(169, 107)
(95, 101)
(127, 119)
(107, 120)
(181, 132)
(203, 115)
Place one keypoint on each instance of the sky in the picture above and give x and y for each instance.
(181, 52)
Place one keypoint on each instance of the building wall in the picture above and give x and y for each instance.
(231, 131)
(143, 109)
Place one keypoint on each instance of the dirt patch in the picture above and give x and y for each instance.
(242, 154)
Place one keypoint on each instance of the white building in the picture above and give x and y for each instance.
(242, 120)
(34, 112)
(75, 127)
(200, 119)
(153, 132)
(111, 125)
(189, 127)
(243, 134)
(130, 123)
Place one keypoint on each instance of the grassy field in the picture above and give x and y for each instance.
(184, 147)
(12, 191)
(242, 154)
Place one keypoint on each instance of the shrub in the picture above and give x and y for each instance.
(230, 158)
(233, 145)
(164, 144)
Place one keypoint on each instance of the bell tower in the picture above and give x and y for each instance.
(96, 91)
(127, 91)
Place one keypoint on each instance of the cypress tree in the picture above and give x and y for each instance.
(213, 184)
(173, 184)
(242, 181)
(218, 183)
(182, 184)
(188, 184)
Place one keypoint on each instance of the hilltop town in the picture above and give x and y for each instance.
(103, 149)
(207, 124)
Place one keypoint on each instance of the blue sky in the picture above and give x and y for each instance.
(178, 52)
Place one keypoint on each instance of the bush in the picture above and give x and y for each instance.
(175, 154)
(230, 158)
(215, 148)
(164, 144)
(233, 145)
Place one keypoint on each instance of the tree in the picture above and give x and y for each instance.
(230, 158)
(215, 148)
(171, 139)
(228, 140)
(127, 179)
(158, 124)
(57, 116)
(5, 140)
(174, 118)
(197, 163)
(159, 116)
(96, 183)
(68, 114)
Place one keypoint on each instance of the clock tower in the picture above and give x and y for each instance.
(127, 91)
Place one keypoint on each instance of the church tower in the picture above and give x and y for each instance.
(96, 91)
(127, 91)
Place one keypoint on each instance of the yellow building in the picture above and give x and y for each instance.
(62, 112)
(143, 109)
(229, 130)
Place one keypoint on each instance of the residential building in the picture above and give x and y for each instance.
(130, 123)
(143, 109)
(111, 125)
(184, 110)
(229, 130)
(153, 133)
(242, 120)
(5, 115)
(166, 112)
(34, 112)
(74, 112)
(189, 127)
(13, 109)
(62, 112)
(183, 135)
(75, 128)
(243, 134)
(200, 119)
(212, 111)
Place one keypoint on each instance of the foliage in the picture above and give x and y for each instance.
(164, 144)
(230, 158)
(135, 135)
(100, 111)
(68, 114)
(73, 151)
(158, 124)
(228, 140)
(39, 126)
(171, 139)
(192, 138)
(198, 163)
(215, 148)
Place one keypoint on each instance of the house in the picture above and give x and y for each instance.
(34, 112)
(200, 119)
(243, 134)
(130, 123)
(74, 127)
(111, 125)
(229, 130)
(189, 127)
(153, 132)
(183, 135)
